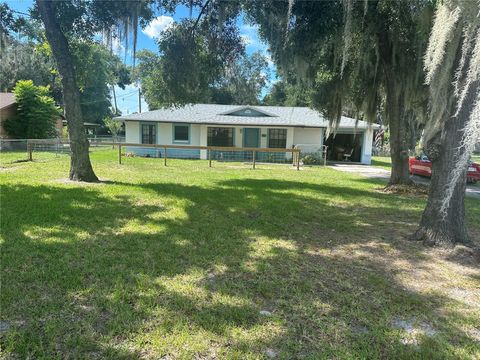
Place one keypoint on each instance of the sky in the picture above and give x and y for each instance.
(127, 99)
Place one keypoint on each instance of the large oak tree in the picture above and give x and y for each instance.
(361, 55)
(453, 74)
(83, 19)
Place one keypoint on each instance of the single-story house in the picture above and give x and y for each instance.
(246, 126)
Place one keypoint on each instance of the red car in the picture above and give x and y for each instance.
(420, 165)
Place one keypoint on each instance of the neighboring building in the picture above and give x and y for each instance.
(245, 126)
(8, 109)
(90, 128)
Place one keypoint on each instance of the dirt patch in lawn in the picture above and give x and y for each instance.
(82, 183)
(10, 168)
(419, 190)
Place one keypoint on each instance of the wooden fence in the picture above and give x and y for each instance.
(295, 152)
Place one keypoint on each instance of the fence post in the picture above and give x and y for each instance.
(254, 153)
(165, 157)
(209, 158)
(29, 148)
(120, 154)
(298, 160)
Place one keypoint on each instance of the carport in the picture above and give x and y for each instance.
(343, 143)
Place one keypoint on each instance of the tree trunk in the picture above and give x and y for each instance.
(447, 229)
(437, 228)
(80, 165)
(397, 126)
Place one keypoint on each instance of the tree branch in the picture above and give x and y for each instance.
(204, 7)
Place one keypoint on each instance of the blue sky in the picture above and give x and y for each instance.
(127, 100)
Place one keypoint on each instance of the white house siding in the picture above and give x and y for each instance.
(132, 132)
(203, 140)
(198, 137)
(195, 134)
(308, 136)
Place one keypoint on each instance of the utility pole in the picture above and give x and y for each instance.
(139, 100)
(114, 99)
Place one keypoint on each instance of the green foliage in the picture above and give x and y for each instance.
(36, 112)
(26, 60)
(342, 52)
(242, 82)
(9, 23)
(24, 54)
(198, 64)
(96, 68)
(113, 125)
(286, 94)
(312, 159)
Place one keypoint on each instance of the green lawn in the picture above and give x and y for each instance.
(188, 262)
(382, 161)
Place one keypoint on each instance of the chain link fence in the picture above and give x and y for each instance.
(19, 150)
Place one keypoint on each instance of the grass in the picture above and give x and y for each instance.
(384, 162)
(179, 262)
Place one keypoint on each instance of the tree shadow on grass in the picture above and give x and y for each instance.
(88, 272)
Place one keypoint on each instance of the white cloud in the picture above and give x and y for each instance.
(157, 26)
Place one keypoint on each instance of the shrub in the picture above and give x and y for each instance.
(36, 112)
(312, 159)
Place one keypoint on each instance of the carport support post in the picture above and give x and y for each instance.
(254, 153)
(165, 157)
(120, 154)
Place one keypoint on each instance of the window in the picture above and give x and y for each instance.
(277, 138)
(218, 136)
(148, 134)
(181, 133)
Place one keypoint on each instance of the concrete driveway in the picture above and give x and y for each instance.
(375, 172)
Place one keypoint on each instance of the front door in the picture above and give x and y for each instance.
(251, 137)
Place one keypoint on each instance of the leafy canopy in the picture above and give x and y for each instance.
(96, 69)
(198, 65)
(341, 53)
(113, 125)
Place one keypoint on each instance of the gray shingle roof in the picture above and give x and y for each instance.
(213, 114)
